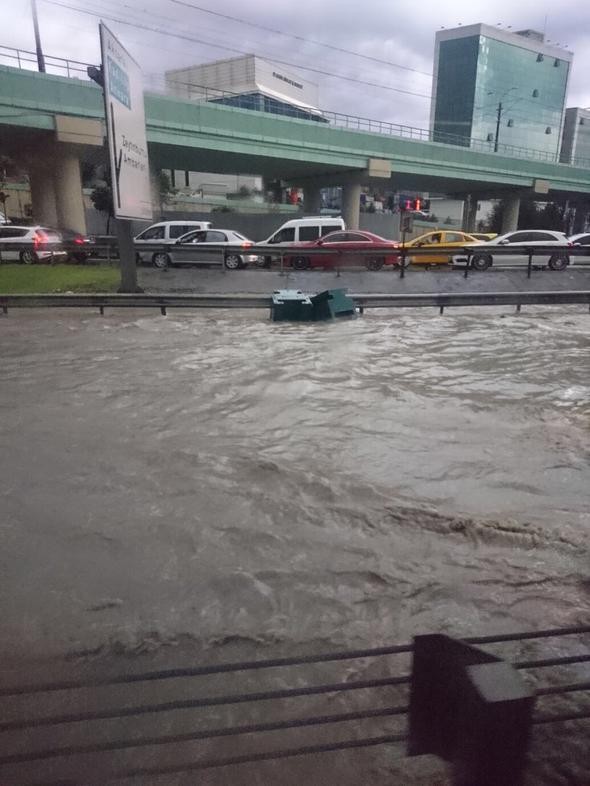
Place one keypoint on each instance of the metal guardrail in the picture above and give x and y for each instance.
(405, 253)
(439, 725)
(109, 252)
(27, 59)
(243, 301)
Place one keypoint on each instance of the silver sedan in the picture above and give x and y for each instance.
(208, 247)
(520, 241)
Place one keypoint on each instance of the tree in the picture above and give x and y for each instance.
(102, 200)
(165, 189)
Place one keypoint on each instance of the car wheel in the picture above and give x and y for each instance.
(161, 260)
(481, 261)
(233, 261)
(559, 261)
(374, 264)
(28, 257)
(300, 263)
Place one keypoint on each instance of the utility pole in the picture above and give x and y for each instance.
(498, 127)
(40, 58)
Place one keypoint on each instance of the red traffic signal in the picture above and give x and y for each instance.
(412, 204)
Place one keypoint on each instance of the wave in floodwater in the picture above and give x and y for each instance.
(359, 478)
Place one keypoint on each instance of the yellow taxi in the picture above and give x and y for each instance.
(438, 239)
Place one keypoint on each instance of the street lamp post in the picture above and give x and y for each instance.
(499, 111)
(40, 58)
(499, 118)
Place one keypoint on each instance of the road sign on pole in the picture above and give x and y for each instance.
(126, 134)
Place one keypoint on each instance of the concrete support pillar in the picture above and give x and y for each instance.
(581, 217)
(351, 205)
(273, 190)
(312, 200)
(157, 205)
(68, 190)
(43, 198)
(510, 214)
(470, 213)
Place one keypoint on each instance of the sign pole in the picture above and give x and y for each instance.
(127, 263)
(128, 153)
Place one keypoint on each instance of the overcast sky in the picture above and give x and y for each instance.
(399, 32)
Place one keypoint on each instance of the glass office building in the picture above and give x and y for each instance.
(575, 147)
(483, 72)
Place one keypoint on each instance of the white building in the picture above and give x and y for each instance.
(249, 82)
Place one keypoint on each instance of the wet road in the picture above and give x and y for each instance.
(212, 279)
(223, 478)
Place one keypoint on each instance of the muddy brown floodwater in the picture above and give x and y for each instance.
(218, 482)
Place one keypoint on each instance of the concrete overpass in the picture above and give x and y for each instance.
(50, 123)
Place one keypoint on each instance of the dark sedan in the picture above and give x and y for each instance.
(348, 248)
(78, 246)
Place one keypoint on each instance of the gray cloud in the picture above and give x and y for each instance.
(399, 32)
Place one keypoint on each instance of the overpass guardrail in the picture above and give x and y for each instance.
(60, 66)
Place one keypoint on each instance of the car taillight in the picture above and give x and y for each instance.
(79, 241)
(38, 239)
(569, 242)
(247, 245)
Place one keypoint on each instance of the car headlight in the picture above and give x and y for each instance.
(251, 258)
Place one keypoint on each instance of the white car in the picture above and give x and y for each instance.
(582, 239)
(520, 239)
(165, 233)
(30, 244)
(203, 248)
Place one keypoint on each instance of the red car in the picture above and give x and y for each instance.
(349, 247)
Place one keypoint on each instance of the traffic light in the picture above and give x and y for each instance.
(411, 204)
(95, 73)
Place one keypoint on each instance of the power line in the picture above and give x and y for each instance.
(237, 51)
(300, 38)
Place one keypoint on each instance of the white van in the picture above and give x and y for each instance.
(299, 230)
(165, 232)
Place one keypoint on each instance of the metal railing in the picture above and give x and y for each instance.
(26, 59)
(163, 302)
(395, 697)
(58, 66)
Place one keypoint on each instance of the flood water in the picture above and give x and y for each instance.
(217, 476)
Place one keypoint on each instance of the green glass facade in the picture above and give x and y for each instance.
(455, 97)
(478, 73)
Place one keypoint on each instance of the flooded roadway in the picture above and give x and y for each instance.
(219, 477)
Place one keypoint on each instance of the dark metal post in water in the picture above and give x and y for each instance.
(471, 709)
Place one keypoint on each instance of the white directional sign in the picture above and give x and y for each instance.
(125, 117)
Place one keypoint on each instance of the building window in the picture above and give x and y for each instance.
(556, 62)
(535, 93)
(548, 130)
(510, 123)
(540, 58)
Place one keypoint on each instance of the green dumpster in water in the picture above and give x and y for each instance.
(331, 304)
(294, 305)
